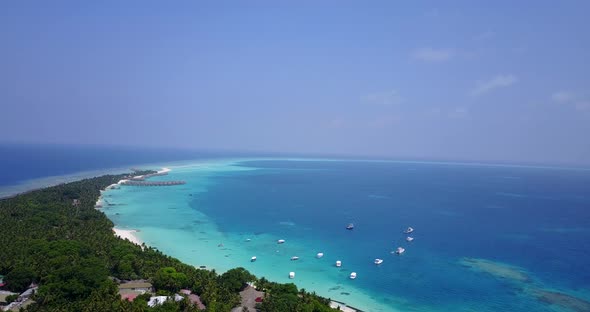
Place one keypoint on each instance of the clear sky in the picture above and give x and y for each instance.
(489, 81)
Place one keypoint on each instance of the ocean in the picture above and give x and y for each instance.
(487, 237)
(30, 166)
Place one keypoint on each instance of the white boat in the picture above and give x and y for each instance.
(400, 250)
(247, 239)
(378, 261)
(350, 226)
(291, 274)
(281, 241)
(409, 230)
(294, 258)
(338, 263)
(353, 275)
(253, 259)
(409, 239)
(319, 255)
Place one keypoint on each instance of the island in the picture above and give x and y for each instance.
(59, 253)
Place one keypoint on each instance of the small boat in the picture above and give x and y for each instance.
(281, 241)
(291, 274)
(378, 261)
(319, 255)
(350, 226)
(409, 230)
(399, 250)
(294, 258)
(247, 239)
(253, 259)
(353, 275)
(338, 263)
(409, 239)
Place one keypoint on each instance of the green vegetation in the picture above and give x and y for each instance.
(11, 298)
(69, 249)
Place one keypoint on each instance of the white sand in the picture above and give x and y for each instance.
(161, 171)
(164, 170)
(128, 234)
(342, 306)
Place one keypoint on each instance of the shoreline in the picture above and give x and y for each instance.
(127, 235)
(131, 234)
(98, 204)
(210, 259)
(334, 304)
(122, 233)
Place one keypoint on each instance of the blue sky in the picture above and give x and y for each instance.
(489, 81)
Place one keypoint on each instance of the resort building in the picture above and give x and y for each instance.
(132, 289)
(193, 298)
(139, 286)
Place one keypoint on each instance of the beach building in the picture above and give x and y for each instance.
(193, 298)
(250, 297)
(196, 300)
(129, 296)
(156, 300)
(130, 290)
(140, 286)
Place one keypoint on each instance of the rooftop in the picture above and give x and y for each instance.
(135, 284)
(195, 299)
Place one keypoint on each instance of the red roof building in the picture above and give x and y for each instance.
(129, 296)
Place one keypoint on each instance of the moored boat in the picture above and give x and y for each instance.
(338, 263)
(400, 250)
(280, 241)
(253, 259)
(378, 261)
(319, 255)
(409, 239)
(409, 230)
(291, 274)
(353, 275)
(294, 258)
(350, 226)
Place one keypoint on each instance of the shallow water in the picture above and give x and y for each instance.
(519, 221)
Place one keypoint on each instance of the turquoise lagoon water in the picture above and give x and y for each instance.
(488, 238)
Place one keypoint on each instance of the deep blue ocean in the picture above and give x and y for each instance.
(22, 162)
(487, 238)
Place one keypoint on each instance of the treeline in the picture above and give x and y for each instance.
(56, 238)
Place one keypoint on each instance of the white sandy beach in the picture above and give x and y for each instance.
(99, 201)
(341, 306)
(128, 234)
(164, 170)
